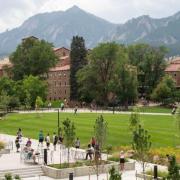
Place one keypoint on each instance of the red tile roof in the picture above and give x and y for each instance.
(174, 65)
(62, 68)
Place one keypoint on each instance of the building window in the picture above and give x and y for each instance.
(64, 53)
(175, 74)
(60, 83)
(65, 83)
(64, 74)
(65, 92)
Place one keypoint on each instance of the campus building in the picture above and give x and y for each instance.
(173, 69)
(58, 77)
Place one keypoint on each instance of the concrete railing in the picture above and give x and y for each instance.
(84, 170)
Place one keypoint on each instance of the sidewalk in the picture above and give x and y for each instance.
(12, 161)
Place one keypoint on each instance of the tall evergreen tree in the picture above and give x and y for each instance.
(78, 60)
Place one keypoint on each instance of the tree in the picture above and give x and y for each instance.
(126, 84)
(4, 101)
(150, 62)
(69, 134)
(114, 175)
(141, 145)
(78, 60)
(39, 102)
(173, 169)
(165, 91)
(99, 73)
(134, 120)
(33, 87)
(100, 131)
(32, 57)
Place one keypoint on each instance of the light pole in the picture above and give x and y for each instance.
(58, 124)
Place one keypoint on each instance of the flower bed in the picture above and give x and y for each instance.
(81, 169)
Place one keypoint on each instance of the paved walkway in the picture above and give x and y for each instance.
(12, 160)
(89, 111)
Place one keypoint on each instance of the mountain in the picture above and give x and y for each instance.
(59, 28)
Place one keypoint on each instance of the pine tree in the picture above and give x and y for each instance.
(78, 61)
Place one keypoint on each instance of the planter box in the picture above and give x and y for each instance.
(148, 177)
(5, 151)
(83, 170)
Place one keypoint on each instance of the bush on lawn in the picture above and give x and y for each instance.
(2, 145)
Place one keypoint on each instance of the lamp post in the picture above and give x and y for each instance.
(58, 124)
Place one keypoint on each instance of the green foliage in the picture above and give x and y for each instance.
(126, 84)
(150, 62)
(114, 175)
(4, 101)
(95, 78)
(2, 145)
(100, 131)
(164, 92)
(173, 169)
(17, 177)
(8, 176)
(134, 119)
(32, 57)
(33, 87)
(141, 145)
(39, 102)
(78, 61)
(69, 134)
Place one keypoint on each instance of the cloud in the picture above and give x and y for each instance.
(14, 12)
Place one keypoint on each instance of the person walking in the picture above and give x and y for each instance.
(93, 142)
(48, 141)
(19, 134)
(122, 160)
(89, 152)
(77, 143)
(55, 140)
(17, 143)
(28, 143)
(41, 137)
(75, 109)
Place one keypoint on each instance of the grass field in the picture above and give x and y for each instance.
(161, 128)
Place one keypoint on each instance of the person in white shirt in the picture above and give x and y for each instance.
(48, 141)
(77, 143)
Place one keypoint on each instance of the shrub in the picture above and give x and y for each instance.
(114, 175)
(2, 145)
(162, 174)
(8, 176)
(17, 177)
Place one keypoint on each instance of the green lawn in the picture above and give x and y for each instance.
(161, 128)
(155, 109)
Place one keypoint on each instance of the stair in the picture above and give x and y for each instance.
(32, 171)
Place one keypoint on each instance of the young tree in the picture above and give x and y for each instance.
(100, 133)
(78, 61)
(141, 145)
(39, 102)
(134, 120)
(69, 134)
(32, 57)
(114, 175)
(165, 91)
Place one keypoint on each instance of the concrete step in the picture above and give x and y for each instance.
(23, 172)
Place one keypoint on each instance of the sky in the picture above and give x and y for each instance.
(14, 12)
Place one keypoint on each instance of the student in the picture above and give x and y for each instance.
(77, 143)
(19, 134)
(17, 143)
(93, 142)
(97, 154)
(75, 109)
(28, 144)
(41, 137)
(60, 139)
(48, 141)
(89, 152)
(122, 160)
(55, 140)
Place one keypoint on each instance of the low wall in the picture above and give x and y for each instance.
(5, 151)
(148, 177)
(83, 170)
